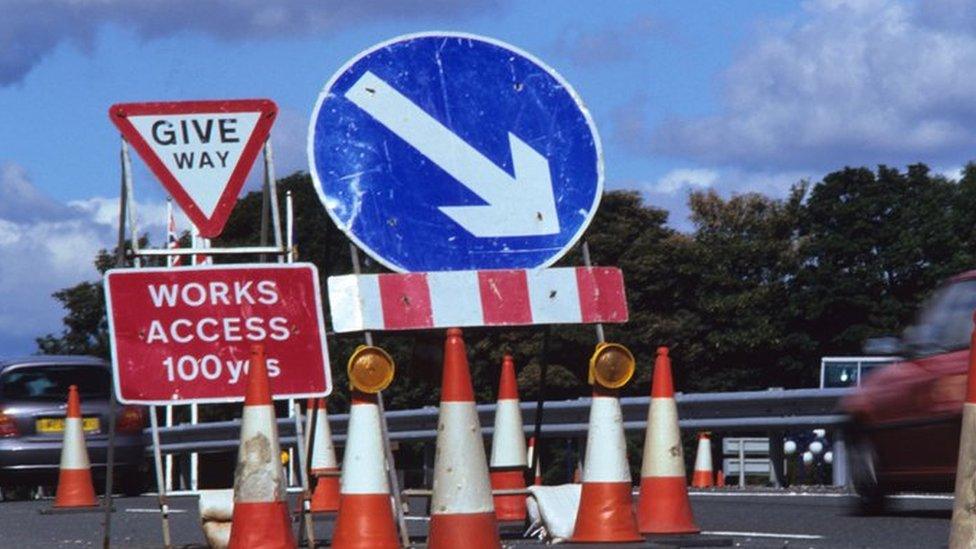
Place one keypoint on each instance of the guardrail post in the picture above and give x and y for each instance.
(776, 459)
(839, 465)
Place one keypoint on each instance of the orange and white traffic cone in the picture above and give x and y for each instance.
(462, 514)
(962, 533)
(365, 518)
(663, 506)
(702, 475)
(325, 467)
(260, 517)
(606, 507)
(508, 454)
(720, 479)
(75, 488)
(530, 456)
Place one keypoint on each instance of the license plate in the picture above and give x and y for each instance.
(56, 425)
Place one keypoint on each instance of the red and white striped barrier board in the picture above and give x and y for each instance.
(477, 298)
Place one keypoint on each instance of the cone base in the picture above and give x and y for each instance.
(664, 508)
(365, 521)
(264, 524)
(606, 514)
(75, 489)
(325, 498)
(701, 479)
(468, 530)
(509, 508)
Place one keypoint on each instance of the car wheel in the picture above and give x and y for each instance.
(863, 461)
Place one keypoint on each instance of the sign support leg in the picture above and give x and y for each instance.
(160, 483)
(119, 262)
(306, 518)
(390, 468)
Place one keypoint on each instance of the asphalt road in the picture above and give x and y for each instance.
(762, 521)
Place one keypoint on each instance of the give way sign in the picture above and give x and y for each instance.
(201, 151)
(185, 334)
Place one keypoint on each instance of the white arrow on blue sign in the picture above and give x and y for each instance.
(443, 152)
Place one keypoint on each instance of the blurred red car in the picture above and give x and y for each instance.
(906, 417)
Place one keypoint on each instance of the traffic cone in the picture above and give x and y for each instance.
(530, 456)
(963, 530)
(462, 514)
(75, 488)
(325, 467)
(606, 507)
(720, 479)
(260, 516)
(508, 454)
(663, 506)
(702, 476)
(365, 516)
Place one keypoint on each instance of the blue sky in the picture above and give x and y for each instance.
(735, 96)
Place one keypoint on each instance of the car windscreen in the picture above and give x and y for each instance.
(946, 321)
(50, 382)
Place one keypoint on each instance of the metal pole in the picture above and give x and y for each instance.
(110, 457)
(129, 195)
(273, 187)
(742, 462)
(160, 486)
(289, 228)
(390, 468)
(265, 204)
(306, 519)
(540, 400)
(839, 465)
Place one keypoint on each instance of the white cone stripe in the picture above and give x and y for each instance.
(606, 449)
(74, 455)
(363, 466)
(323, 451)
(259, 476)
(461, 482)
(703, 461)
(663, 453)
(508, 440)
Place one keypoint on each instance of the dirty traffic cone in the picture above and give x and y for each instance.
(963, 531)
(260, 516)
(365, 518)
(702, 476)
(325, 467)
(606, 509)
(663, 506)
(508, 454)
(462, 514)
(530, 456)
(75, 488)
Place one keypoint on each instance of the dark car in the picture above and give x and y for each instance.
(33, 393)
(906, 417)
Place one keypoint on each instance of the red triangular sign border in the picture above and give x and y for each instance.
(212, 226)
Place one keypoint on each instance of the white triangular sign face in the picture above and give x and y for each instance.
(201, 150)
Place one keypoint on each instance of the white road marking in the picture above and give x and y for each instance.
(947, 497)
(762, 535)
(154, 510)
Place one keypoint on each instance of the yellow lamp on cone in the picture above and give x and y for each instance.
(612, 365)
(370, 369)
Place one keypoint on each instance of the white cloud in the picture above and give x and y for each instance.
(31, 29)
(51, 248)
(676, 180)
(845, 82)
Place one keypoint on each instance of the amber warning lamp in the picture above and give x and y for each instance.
(612, 365)
(370, 369)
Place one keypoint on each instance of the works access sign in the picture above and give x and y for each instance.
(185, 334)
(201, 151)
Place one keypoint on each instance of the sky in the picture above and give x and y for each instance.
(686, 95)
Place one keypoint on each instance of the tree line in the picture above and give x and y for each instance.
(750, 297)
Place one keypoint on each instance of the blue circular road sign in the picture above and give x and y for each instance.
(444, 151)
